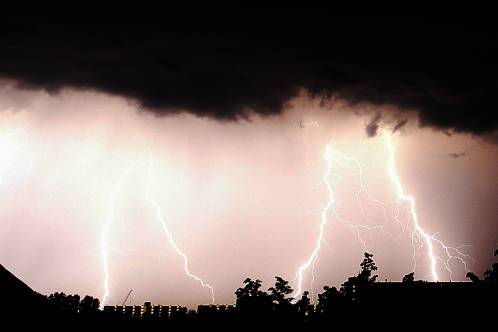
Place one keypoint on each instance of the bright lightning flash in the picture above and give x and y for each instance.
(418, 236)
(169, 236)
(323, 221)
(104, 239)
(105, 247)
(330, 157)
(418, 233)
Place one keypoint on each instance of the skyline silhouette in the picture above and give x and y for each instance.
(360, 295)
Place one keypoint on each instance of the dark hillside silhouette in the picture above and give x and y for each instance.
(15, 294)
(12, 289)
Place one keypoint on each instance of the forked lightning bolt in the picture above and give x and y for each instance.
(331, 156)
(104, 239)
(403, 197)
(323, 221)
(418, 233)
(166, 230)
(105, 247)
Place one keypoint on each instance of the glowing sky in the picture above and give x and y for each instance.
(241, 199)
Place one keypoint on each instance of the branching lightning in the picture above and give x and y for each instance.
(418, 232)
(104, 245)
(439, 255)
(330, 156)
(323, 221)
(419, 238)
(166, 230)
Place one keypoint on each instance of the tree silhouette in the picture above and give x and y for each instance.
(64, 303)
(472, 277)
(331, 299)
(282, 302)
(353, 289)
(303, 304)
(491, 275)
(280, 292)
(367, 267)
(251, 298)
(249, 292)
(409, 278)
(89, 305)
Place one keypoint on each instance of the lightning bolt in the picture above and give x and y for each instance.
(167, 232)
(419, 236)
(104, 238)
(323, 221)
(104, 245)
(357, 228)
(410, 200)
(331, 156)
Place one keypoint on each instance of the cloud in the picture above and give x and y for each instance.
(400, 125)
(452, 155)
(373, 125)
(447, 73)
(456, 155)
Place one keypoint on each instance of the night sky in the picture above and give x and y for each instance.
(223, 130)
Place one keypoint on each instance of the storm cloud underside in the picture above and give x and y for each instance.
(446, 73)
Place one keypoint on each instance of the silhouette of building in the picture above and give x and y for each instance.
(146, 311)
(214, 309)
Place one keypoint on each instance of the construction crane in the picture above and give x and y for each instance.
(127, 296)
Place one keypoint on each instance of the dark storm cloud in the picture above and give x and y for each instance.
(400, 125)
(373, 125)
(445, 72)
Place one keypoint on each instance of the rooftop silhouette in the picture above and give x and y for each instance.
(361, 300)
